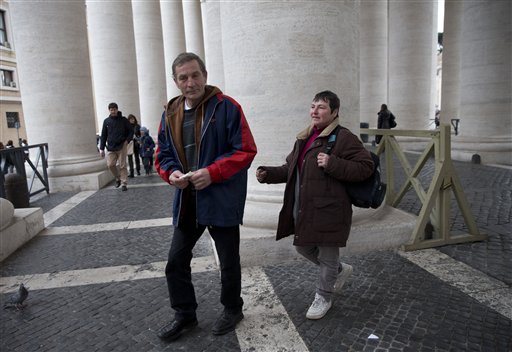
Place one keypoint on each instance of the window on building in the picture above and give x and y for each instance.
(3, 29)
(7, 78)
(13, 119)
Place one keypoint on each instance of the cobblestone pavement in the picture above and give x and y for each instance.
(390, 303)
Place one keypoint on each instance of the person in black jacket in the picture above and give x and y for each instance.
(115, 135)
(135, 144)
(386, 120)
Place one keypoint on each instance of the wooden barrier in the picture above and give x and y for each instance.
(433, 225)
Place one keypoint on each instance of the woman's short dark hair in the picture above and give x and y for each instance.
(329, 97)
(184, 58)
(112, 106)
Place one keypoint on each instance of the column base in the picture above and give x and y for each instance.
(86, 182)
(25, 224)
(491, 151)
(372, 230)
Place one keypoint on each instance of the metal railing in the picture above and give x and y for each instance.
(436, 200)
(14, 159)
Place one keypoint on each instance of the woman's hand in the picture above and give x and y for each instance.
(261, 175)
(322, 160)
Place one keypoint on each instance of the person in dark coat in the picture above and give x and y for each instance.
(316, 208)
(385, 120)
(205, 148)
(9, 162)
(115, 136)
(133, 147)
(147, 149)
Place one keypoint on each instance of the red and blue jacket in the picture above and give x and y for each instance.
(225, 147)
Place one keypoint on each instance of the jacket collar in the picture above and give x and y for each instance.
(305, 133)
(174, 120)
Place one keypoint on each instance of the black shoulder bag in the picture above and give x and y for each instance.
(369, 193)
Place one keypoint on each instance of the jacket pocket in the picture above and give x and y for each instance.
(327, 214)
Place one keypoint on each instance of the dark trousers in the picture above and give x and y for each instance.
(147, 161)
(137, 163)
(179, 273)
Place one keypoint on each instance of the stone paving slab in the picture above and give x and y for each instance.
(49, 201)
(111, 317)
(407, 308)
(112, 203)
(92, 250)
(488, 190)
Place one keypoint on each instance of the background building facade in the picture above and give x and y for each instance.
(12, 123)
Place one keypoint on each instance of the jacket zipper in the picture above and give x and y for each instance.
(203, 132)
(181, 165)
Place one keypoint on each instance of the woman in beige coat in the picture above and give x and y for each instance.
(316, 208)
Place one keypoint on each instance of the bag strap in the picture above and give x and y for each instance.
(331, 140)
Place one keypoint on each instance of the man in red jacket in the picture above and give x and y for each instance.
(205, 148)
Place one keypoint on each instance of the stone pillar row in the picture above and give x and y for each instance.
(150, 62)
(271, 57)
(55, 79)
(124, 44)
(485, 97)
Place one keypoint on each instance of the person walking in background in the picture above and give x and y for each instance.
(2, 160)
(316, 206)
(133, 147)
(115, 136)
(205, 148)
(24, 143)
(385, 120)
(9, 162)
(147, 149)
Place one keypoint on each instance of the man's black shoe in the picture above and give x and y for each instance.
(124, 188)
(118, 183)
(175, 328)
(227, 322)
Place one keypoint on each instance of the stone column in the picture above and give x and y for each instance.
(174, 40)
(147, 24)
(486, 83)
(194, 26)
(373, 24)
(213, 42)
(55, 80)
(290, 53)
(452, 42)
(412, 50)
(113, 61)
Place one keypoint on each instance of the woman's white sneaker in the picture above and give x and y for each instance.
(344, 274)
(319, 308)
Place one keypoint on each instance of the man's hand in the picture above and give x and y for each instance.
(201, 179)
(102, 153)
(177, 181)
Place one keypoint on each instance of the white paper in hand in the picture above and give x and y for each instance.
(187, 175)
